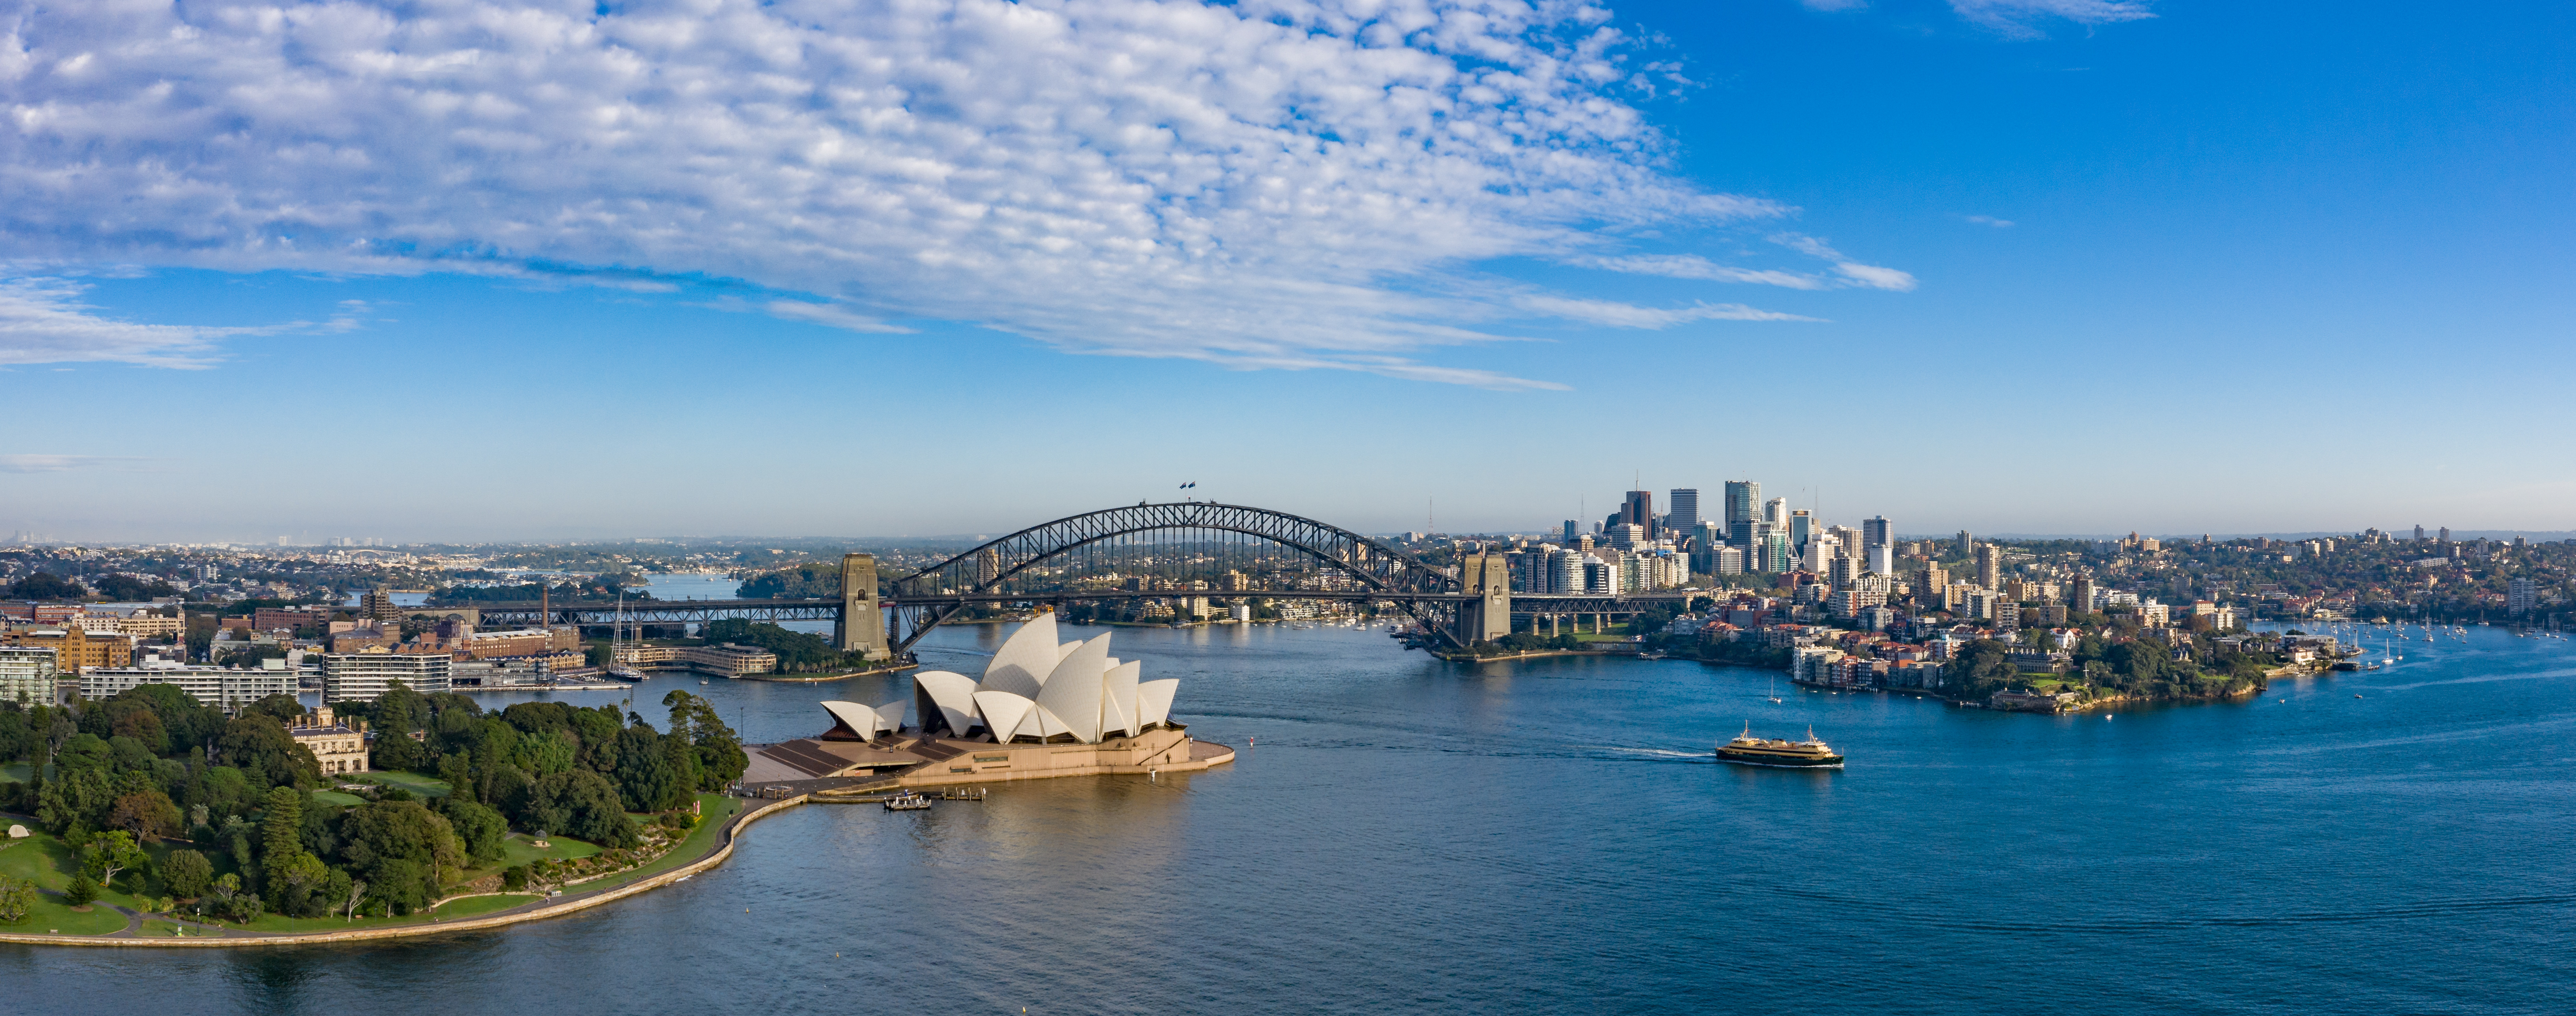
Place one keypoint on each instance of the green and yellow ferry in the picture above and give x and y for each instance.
(1758, 751)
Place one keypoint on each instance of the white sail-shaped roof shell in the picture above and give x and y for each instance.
(1035, 687)
(1004, 713)
(860, 719)
(890, 715)
(954, 696)
(1073, 691)
(1024, 660)
(1118, 699)
(1154, 701)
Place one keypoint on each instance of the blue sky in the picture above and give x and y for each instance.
(506, 270)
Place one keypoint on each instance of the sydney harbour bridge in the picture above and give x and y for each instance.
(1131, 554)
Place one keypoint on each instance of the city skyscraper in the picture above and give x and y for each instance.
(1683, 518)
(1743, 502)
(1802, 529)
(1776, 512)
(1876, 531)
(1639, 511)
(1990, 566)
(1572, 529)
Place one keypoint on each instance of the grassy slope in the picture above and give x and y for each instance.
(425, 786)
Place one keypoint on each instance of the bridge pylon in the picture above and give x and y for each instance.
(1488, 577)
(861, 628)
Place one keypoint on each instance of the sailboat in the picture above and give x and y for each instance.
(617, 668)
(1775, 689)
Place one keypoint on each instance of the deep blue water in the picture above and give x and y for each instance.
(1551, 836)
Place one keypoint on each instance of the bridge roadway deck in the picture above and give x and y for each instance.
(805, 609)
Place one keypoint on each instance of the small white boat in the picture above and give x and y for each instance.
(907, 801)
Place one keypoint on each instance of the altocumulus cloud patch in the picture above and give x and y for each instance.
(1264, 184)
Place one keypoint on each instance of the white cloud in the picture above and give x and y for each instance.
(828, 314)
(2014, 17)
(1628, 315)
(1693, 266)
(1853, 272)
(57, 463)
(1833, 5)
(1289, 183)
(1988, 220)
(42, 320)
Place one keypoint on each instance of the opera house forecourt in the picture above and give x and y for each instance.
(1043, 709)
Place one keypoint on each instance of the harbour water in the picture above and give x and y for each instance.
(1401, 835)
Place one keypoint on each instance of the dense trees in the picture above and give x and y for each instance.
(114, 775)
(811, 579)
(796, 651)
(130, 589)
(45, 586)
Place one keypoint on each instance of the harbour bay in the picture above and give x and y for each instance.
(1404, 835)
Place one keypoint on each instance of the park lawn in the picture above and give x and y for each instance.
(717, 809)
(43, 859)
(50, 914)
(516, 850)
(338, 798)
(17, 772)
(425, 786)
(471, 906)
(40, 858)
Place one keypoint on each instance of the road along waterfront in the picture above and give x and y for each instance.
(1400, 835)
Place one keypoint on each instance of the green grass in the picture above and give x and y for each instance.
(476, 906)
(338, 798)
(516, 850)
(425, 786)
(17, 772)
(41, 859)
(471, 906)
(718, 808)
(49, 914)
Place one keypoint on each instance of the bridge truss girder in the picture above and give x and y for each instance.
(922, 600)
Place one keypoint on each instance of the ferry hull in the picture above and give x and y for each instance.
(1781, 761)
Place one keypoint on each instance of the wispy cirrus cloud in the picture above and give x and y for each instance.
(1693, 266)
(43, 320)
(1853, 273)
(1988, 220)
(1616, 314)
(26, 463)
(2019, 17)
(1261, 183)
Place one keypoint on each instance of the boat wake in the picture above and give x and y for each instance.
(1648, 752)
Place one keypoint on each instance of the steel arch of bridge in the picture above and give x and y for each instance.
(920, 599)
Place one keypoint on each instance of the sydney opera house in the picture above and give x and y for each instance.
(1043, 708)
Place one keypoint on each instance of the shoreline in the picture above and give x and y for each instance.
(727, 836)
